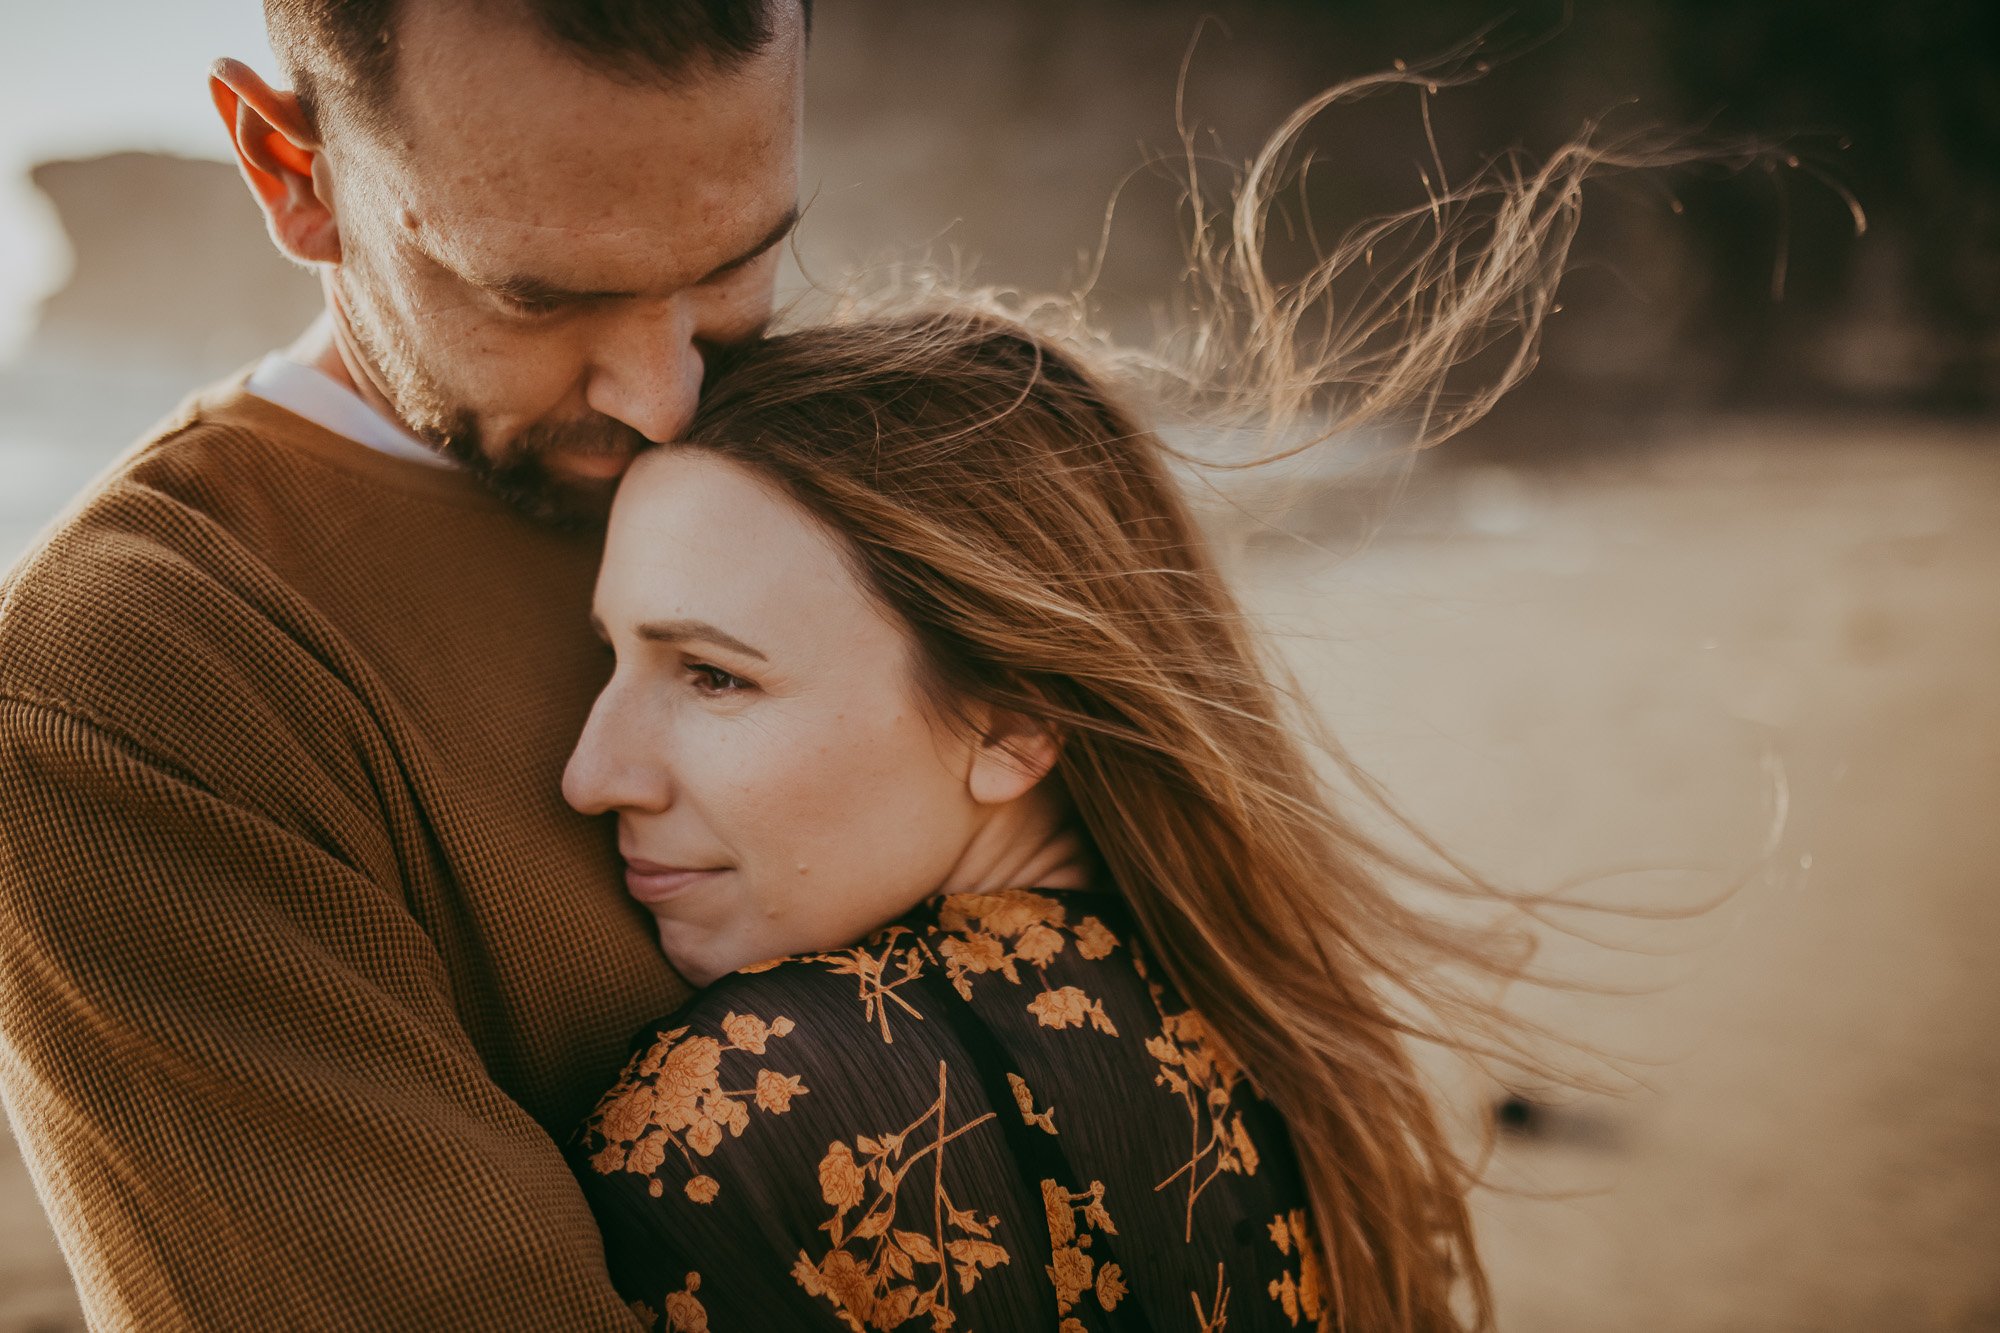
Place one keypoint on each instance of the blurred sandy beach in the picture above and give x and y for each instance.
(1598, 665)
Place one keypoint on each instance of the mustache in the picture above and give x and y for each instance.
(600, 437)
(520, 476)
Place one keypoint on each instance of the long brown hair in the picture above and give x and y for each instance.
(1030, 535)
(1029, 531)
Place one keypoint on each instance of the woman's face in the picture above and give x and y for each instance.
(779, 786)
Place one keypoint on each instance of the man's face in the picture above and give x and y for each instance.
(536, 255)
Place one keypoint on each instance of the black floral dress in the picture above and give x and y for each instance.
(993, 1115)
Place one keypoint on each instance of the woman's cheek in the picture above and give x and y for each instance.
(814, 814)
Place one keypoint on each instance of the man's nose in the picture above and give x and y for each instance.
(648, 375)
(614, 766)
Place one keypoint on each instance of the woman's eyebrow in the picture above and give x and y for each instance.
(684, 631)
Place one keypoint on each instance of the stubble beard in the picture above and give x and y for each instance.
(517, 473)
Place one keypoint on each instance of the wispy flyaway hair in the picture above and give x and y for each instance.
(989, 463)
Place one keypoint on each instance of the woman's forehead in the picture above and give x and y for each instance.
(693, 534)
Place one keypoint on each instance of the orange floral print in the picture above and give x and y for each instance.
(1215, 1318)
(684, 1310)
(774, 1091)
(1094, 939)
(1197, 1068)
(1298, 1294)
(996, 932)
(1025, 1099)
(982, 933)
(671, 1097)
(890, 959)
(889, 1254)
(1072, 1271)
(897, 1275)
(685, 1313)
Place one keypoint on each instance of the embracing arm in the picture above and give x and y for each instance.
(233, 1064)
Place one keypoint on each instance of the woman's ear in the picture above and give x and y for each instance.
(1014, 753)
(279, 155)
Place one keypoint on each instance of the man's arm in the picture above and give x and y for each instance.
(233, 1064)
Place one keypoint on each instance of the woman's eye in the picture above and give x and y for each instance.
(714, 680)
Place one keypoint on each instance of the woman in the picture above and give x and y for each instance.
(1045, 986)
(916, 628)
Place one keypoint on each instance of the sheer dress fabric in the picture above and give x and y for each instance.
(995, 1114)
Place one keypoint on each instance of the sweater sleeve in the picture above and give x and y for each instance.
(232, 1060)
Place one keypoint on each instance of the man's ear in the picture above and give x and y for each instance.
(278, 153)
(1014, 753)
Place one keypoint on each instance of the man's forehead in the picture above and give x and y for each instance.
(478, 56)
(513, 145)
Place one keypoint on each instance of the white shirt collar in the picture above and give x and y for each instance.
(319, 398)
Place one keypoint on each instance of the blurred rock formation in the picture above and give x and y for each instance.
(173, 272)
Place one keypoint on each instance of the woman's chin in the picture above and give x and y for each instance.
(705, 951)
(696, 965)
(699, 956)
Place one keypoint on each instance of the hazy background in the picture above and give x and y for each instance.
(1725, 553)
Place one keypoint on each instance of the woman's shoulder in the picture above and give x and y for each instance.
(1044, 953)
(1018, 935)
(1035, 926)
(1011, 948)
(803, 1039)
(1052, 957)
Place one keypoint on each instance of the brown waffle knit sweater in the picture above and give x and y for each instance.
(303, 961)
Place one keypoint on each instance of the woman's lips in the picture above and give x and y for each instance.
(652, 883)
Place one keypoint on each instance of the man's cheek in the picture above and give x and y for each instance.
(468, 343)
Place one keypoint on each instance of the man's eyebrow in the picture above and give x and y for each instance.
(525, 287)
(521, 287)
(684, 631)
(772, 239)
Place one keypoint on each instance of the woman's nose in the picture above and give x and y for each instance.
(613, 767)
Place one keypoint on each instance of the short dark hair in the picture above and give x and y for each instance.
(351, 44)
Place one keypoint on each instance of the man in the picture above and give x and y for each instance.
(304, 964)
